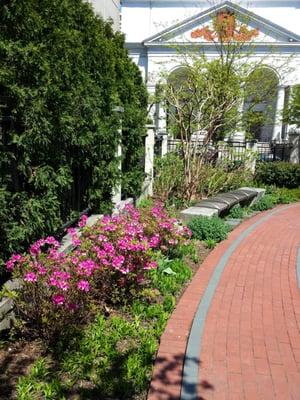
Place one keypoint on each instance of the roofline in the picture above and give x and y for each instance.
(207, 44)
(232, 6)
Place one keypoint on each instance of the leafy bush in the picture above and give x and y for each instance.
(282, 174)
(108, 265)
(62, 71)
(236, 212)
(169, 177)
(222, 177)
(266, 202)
(205, 228)
(283, 195)
(210, 243)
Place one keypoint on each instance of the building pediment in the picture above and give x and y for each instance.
(198, 28)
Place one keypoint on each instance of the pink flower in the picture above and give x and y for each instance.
(30, 277)
(58, 299)
(82, 222)
(102, 238)
(35, 248)
(13, 259)
(41, 269)
(117, 261)
(150, 265)
(110, 228)
(86, 267)
(109, 248)
(52, 241)
(63, 285)
(83, 285)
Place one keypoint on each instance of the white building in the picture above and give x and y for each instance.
(108, 9)
(154, 27)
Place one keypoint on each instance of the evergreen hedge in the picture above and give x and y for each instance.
(62, 71)
(281, 174)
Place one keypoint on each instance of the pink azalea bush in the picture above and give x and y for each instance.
(112, 256)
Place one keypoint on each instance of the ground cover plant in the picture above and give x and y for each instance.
(206, 228)
(103, 307)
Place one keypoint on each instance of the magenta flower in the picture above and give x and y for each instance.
(86, 267)
(117, 261)
(83, 285)
(13, 259)
(30, 277)
(150, 265)
(58, 299)
(82, 222)
(41, 269)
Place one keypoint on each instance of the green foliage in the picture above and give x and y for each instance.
(282, 174)
(169, 176)
(169, 179)
(292, 115)
(62, 71)
(222, 177)
(266, 202)
(210, 243)
(204, 228)
(236, 212)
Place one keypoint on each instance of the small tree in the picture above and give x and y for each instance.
(203, 98)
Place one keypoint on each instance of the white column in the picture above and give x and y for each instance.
(294, 139)
(117, 190)
(251, 155)
(278, 115)
(164, 143)
(162, 119)
(149, 161)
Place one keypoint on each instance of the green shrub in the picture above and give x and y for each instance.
(62, 71)
(204, 228)
(222, 177)
(169, 177)
(282, 174)
(236, 212)
(266, 202)
(210, 243)
(284, 195)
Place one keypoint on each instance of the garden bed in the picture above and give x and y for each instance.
(109, 353)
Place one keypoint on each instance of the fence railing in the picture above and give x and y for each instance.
(236, 150)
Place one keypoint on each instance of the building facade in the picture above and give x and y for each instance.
(156, 29)
(108, 9)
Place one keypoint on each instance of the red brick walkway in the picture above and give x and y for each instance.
(251, 340)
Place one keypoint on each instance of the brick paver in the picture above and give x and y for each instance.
(250, 347)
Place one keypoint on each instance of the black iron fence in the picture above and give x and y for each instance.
(239, 150)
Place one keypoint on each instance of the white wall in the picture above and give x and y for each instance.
(108, 9)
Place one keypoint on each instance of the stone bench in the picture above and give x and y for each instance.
(222, 203)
